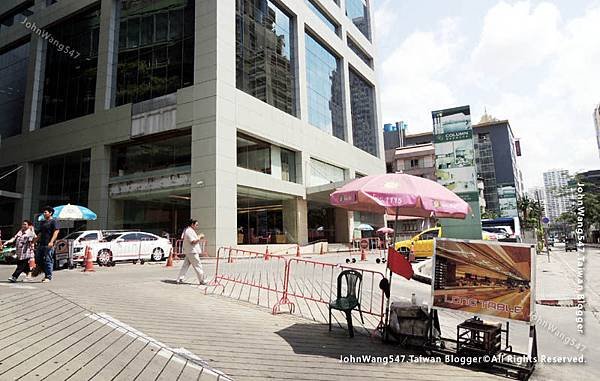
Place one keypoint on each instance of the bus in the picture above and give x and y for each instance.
(509, 224)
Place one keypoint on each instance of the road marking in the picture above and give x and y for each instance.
(184, 356)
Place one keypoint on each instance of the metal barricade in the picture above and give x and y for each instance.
(255, 277)
(370, 243)
(275, 281)
(178, 248)
(317, 282)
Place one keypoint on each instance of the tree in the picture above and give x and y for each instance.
(530, 212)
(586, 206)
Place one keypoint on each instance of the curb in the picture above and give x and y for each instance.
(560, 302)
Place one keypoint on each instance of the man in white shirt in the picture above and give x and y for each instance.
(192, 249)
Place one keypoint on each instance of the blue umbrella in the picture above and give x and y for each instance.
(72, 212)
(365, 227)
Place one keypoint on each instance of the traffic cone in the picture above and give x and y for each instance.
(363, 255)
(298, 251)
(170, 259)
(89, 264)
(267, 255)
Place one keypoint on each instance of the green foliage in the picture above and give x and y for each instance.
(530, 212)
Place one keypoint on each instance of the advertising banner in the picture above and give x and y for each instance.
(484, 278)
(455, 166)
(507, 200)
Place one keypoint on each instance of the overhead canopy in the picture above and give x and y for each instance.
(410, 195)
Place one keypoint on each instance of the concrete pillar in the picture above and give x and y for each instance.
(98, 188)
(32, 110)
(295, 220)
(106, 79)
(23, 209)
(213, 184)
(344, 225)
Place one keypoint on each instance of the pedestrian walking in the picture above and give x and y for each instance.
(192, 250)
(24, 244)
(47, 234)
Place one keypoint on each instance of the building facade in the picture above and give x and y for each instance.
(242, 114)
(559, 197)
(496, 152)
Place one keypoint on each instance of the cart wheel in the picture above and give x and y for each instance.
(383, 260)
(353, 260)
(377, 260)
(347, 260)
(142, 261)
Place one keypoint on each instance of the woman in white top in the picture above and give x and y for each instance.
(192, 250)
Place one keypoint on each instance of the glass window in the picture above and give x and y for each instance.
(130, 237)
(146, 237)
(364, 132)
(288, 165)
(156, 49)
(13, 78)
(264, 53)
(71, 66)
(151, 155)
(265, 217)
(322, 173)
(324, 82)
(360, 53)
(62, 179)
(357, 11)
(323, 16)
(17, 15)
(253, 154)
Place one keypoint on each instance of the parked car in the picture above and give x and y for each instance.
(422, 243)
(127, 246)
(78, 241)
(570, 244)
(487, 236)
(8, 254)
(499, 233)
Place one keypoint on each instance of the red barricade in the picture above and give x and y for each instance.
(236, 268)
(287, 277)
(178, 248)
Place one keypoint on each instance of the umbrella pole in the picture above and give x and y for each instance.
(387, 308)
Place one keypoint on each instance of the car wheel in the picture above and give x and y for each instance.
(104, 257)
(157, 255)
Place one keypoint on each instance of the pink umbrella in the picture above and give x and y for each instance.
(400, 194)
(385, 230)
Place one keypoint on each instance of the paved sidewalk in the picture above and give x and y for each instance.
(245, 342)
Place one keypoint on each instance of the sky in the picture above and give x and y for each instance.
(535, 63)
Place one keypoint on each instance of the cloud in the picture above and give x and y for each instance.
(527, 63)
(515, 37)
(414, 76)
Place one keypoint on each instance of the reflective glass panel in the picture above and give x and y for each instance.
(156, 49)
(264, 53)
(13, 78)
(364, 132)
(320, 14)
(357, 11)
(324, 83)
(360, 53)
(253, 154)
(71, 67)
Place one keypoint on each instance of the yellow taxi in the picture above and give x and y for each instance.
(422, 243)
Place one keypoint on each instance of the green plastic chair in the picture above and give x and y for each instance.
(351, 300)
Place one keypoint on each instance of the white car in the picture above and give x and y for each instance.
(130, 246)
(77, 242)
